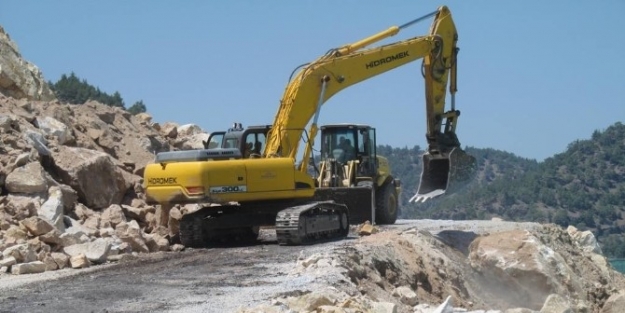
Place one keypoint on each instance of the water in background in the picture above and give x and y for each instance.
(618, 264)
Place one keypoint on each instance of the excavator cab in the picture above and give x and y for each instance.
(249, 141)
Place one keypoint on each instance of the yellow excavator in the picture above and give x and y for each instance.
(255, 178)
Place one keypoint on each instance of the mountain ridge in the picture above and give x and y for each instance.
(583, 186)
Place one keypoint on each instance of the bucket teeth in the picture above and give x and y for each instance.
(444, 173)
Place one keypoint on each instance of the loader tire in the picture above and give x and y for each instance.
(386, 204)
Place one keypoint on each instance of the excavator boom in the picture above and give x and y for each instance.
(445, 165)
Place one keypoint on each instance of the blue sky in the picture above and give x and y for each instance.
(533, 75)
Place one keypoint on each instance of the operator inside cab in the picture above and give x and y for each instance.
(344, 150)
(248, 150)
(347, 146)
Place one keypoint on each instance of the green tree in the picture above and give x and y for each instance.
(72, 89)
(137, 107)
(561, 217)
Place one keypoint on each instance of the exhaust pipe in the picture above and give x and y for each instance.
(444, 173)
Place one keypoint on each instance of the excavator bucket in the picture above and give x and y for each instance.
(444, 173)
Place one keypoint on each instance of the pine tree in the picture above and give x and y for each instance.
(137, 107)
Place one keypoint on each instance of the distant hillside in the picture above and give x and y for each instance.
(492, 164)
(583, 186)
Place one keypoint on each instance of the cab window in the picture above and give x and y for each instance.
(254, 144)
(215, 141)
(231, 143)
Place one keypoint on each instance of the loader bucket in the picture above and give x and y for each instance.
(357, 199)
(444, 173)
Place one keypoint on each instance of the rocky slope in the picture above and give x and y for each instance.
(469, 266)
(70, 175)
(18, 77)
(71, 186)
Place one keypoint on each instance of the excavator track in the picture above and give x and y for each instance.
(312, 222)
(205, 228)
(192, 230)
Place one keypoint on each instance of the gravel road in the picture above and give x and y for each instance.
(195, 280)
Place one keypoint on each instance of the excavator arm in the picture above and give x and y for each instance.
(345, 66)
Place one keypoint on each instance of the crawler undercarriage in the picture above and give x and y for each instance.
(295, 225)
(296, 222)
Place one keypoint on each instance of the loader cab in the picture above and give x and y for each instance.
(350, 142)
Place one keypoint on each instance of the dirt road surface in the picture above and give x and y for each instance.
(195, 280)
(221, 279)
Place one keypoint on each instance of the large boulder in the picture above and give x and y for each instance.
(93, 174)
(520, 269)
(37, 226)
(8, 122)
(28, 268)
(50, 263)
(52, 209)
(21, 206)
(53, 237)
(37, 141)
(18, 77)
(112, 216)
(56, 128)
(144, 118)
(170, 130)
(585, 240)
(153, 144)
(556, 304)
(23, 253)
(191, 142)
(131, 234)
(406, 295)
(115, 131)
(9, 261)
(15, 234)
(27, 179)
(189, 130)
(79, 261)
(61, 259)
(95, 251)
(69, 196)
(614, 304)
(312, 301)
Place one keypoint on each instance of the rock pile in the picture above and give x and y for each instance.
(71, 183)
(545, 270)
